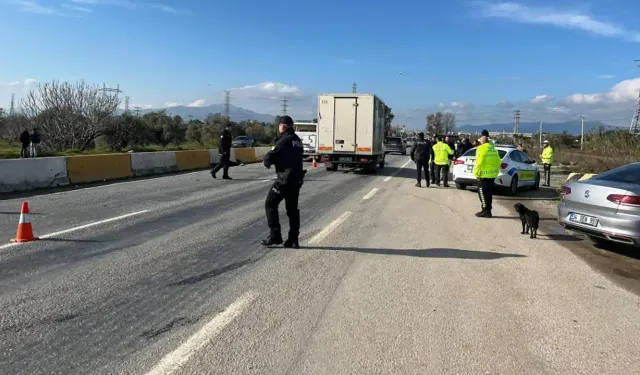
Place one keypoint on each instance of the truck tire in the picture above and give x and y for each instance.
(331, 167)
(460, 186)
(381, 163)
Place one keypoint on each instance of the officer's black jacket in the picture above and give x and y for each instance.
(421, 150)
(225, 142)
(286, 156)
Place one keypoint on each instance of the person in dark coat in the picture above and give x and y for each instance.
(421, 153)
(224, 149)
(286, 156)
(25, 141)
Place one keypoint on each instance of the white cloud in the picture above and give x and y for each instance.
(457, 105)
(171, 104)
(605, 76)
(625, 91)
(267, 90)
(77, 8)
(30, 6)
(169, 9)
(30, 82)
(559, 109)
(541, 99)
(548, 16)
(10, 84)
(198, 103)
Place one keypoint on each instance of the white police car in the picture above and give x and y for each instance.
(516, 171)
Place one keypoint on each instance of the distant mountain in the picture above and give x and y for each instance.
(200, 113)
(571, 127)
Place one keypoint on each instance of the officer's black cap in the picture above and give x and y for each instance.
(286, 120)
(485, 133)
(421, 135)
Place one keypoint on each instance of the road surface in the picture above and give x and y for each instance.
(167, 276)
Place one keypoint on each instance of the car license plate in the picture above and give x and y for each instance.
(583, 219)
(471, 161)
(469, 168)
(345, 159)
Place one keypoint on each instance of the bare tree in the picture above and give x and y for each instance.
(70, 116)
(448, 122)
(435, 124)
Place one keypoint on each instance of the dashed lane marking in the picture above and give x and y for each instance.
(174, 360)
(330, 228)
(396, 172)
(370, 194)
(54, 234)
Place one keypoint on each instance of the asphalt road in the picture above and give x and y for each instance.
(391, 279)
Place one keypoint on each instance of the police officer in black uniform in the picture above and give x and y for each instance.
(420, 154)
(287, 156)
(224, 149)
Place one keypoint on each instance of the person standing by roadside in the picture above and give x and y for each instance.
(442, 152)
(547, 161)
(25, 140)
(486, 170)
(421, 152)
(224, 150)
(35, 143)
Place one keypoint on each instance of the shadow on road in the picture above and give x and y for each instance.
(518, 218)
(424, 253)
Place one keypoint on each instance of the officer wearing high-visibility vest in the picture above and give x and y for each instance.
(441, 153)
(547, 160)
(486, 170)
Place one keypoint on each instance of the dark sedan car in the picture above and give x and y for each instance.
(395, 145)
(243, 141)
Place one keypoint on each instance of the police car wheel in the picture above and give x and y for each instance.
(460, 186)
(513, 187)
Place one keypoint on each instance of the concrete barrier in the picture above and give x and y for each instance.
(30, 174)
(245, 155)
(150, 163)
(91, 168)
(261, 151)
(195, 159)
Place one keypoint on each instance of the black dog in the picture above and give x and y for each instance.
(529, 218)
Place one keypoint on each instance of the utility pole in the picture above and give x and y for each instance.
(635, 123)
(137, 110)
(284, 106)
(227, 104)
(12, 106)
(516, 122)
(126, 104)
(354, 88)
(540, 133)
(581, 132)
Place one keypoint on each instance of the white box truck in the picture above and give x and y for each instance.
(308, 133)
(351, 131)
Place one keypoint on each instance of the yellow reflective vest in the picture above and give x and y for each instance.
(441, 152)
(487, 161)
(547, 155)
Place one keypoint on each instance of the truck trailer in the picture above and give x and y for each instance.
(351, 131)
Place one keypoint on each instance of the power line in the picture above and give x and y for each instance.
(12, 107)
(126, 104)
(516, 121)
(354, 88)
(284, 106)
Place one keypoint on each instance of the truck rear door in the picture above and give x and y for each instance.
(344, 124)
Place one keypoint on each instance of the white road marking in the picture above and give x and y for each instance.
(396, 172)
(54, 234)
(326, 231)
(370, 194)
(174, 360)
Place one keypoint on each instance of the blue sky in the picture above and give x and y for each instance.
(552, 60)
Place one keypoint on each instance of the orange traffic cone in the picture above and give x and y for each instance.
(314, 164)
(25, 230)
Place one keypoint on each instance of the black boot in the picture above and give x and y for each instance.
(418, 184)
(226, 178)
(272, 240)
(291, 244)
(484, 213)
(213, 174)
